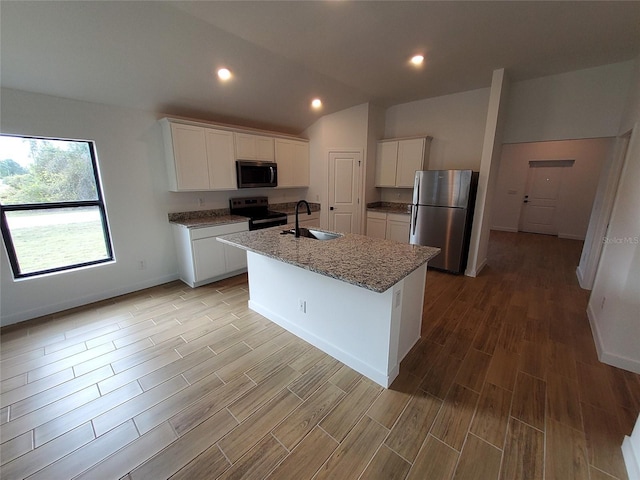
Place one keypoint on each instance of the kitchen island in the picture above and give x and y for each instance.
(358, 299)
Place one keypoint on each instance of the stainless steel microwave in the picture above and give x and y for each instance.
(254, 174)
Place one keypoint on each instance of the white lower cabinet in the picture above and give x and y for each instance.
(208, 259)
(203, 259)
(377, 225)
(235, 258)
(392, 226)
(398, 226)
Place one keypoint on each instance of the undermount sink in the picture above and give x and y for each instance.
(315, 234)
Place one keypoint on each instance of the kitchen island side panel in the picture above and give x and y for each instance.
(363, 329)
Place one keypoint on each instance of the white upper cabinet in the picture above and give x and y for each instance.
(198, 158)
(186, 152)
(412, 156)
(386, 162)
(292, 157)
(254, 147)
(398, 160)
(222, 173)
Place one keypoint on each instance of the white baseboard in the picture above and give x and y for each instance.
(591, 315)
(570, 236)
(580, 277)
(474, 272)
(505, 229)
(631, 457)
(613, 359)
(77, 302)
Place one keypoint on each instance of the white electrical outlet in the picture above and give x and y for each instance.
(302, 306)
(200, 202)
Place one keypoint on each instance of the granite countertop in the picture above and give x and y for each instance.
(367, 262)
(211, 221)
(221, 216)
(290, 208)
(390, 207)
(205, 218)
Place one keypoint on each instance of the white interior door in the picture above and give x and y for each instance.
(538, 214)
(344, 188)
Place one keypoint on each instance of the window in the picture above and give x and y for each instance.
(52, 210)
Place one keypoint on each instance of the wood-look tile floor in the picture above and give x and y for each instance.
(182, 383)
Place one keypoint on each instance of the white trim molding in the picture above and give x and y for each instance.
(631, 452)
(610, 358)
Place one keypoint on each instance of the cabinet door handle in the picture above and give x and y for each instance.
(330, 208)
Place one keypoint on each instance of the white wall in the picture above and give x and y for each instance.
(347, 130)
(375, 132)
(578, 184)
(601, 212)
(579, 104)
(632, 104)
(456, 123)
(489, 167)
(615, 299)
(631, 452)
(134, 180)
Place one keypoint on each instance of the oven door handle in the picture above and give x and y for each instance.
(268, 220)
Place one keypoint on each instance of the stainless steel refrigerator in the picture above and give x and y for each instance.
(442, 215)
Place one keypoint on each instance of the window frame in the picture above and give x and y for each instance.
(99, 202)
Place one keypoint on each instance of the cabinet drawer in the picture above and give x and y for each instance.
(378, 215)
(205, 232)
(399, 217)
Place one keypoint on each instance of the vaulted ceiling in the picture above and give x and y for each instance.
(162, 56)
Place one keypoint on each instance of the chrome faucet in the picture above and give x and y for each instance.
(308, 213)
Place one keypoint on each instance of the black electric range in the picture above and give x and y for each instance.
(257, 210)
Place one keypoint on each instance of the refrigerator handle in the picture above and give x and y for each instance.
(414, 219)
(416, 188)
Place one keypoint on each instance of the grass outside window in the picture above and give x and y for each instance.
(53, 213)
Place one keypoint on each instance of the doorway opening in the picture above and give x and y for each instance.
(549, 187)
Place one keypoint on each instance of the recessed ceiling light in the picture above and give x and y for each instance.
(224, 74)
(316, 103)
(417, 59)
